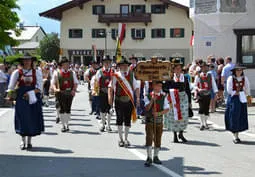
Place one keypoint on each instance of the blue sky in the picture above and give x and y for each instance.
(30, 9)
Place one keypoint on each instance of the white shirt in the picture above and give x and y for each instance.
(214, 86)
(3, 77)
(246, 87)
(166, 103)
(113, 82)
(15, 77)
(55, 77)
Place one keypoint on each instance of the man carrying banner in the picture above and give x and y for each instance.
(103, 77)
(122, 88)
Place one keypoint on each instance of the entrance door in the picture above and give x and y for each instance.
(124, 9)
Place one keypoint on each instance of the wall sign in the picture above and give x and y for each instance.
(85, 52)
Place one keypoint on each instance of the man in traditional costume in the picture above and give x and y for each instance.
(122, 87)
(27, 84)
(156, 105)
(103, 77)
(177, 119)
(204, 84)
(236, 116)
(65, 84)
(88, 77)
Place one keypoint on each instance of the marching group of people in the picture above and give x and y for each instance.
(161, 104)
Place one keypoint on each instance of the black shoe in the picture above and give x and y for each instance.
(202, 128)
(175, 138)
(121, 144)
(207, 127)
(184, 140)
(29, 146)
(91, 112)
(109, 129)
(57, 120)
(22, 147)
(63, 129)
(102, 129)
(156, 160)
(148, 162)
(98, 117)
(67, 129)
(236, 141)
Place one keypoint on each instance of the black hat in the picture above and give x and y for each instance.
(27, 56)
(133, 58)
(93, 62)
(177, 61)
(238, 66)
(157, 82)
(107, 58)
(204, 64)
(124, 60)
(63, 60)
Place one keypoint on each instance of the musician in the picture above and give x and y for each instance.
(123, 85)
(156, 105)
(103, 77)
(204, 84)
(28, 109)
(65, 84)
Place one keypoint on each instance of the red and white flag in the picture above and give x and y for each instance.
(192, 40)
(121, 32)
(175, 100)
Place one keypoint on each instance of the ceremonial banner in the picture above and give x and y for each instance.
(120, 38)
(175, 100)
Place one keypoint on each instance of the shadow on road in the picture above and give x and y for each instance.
(199, 171)
(50, 133)
(144, 147)
(248, 143)
(28, 166)
(81, 125)
(201, 143)
(83, 132)
(50, 149)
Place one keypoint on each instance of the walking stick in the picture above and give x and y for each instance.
(154, 122)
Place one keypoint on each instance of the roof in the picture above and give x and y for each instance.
(56, 13)
(27, 33)
(28, 45)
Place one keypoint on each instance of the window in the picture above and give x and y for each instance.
(75, 33)
(124, 9)
(98, 33)
(177, 32)
(137, 33)
(138, 9)
(246, 47)
(158, 33)
(115, 34)
(98, 9)
(158, 9)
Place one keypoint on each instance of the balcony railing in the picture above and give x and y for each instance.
(127, 18)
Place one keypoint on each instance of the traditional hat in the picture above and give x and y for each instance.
(63, 60)
(133, 57)
(204, 64)
(157, 82)
(27, 56)
(238, 66)
(177, 61)
(123, 60)
(107, 58)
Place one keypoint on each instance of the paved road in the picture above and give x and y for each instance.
(85, 152)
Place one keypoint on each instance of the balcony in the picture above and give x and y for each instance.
(125, 18)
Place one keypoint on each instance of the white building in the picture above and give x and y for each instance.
(153, 27)
(29, 38)
(225, 28)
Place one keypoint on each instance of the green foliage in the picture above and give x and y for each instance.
(8, 21)
(14, 58)
(49, 47)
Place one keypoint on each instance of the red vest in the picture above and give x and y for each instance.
(205, 81)
(66, 80)
(238, 84)
(119, 90)
(28, 80)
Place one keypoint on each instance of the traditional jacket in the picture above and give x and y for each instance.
(66, 81)
(104, 78)
(119, 90)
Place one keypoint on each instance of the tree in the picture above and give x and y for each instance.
(49, 47)
(8, 21)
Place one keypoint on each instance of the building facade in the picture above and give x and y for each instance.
(225, 28)
(158, 27)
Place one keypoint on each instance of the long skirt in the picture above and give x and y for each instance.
(236, 117)
(178, 125)
(28, 117)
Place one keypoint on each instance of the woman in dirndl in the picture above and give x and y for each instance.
(176, 120)
(27, 82)
(236, 116)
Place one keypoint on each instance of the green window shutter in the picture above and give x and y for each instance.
(132, 9)
(103, 10)
(94, 10)
(113, 34)
(152, 33)
(70, 33)
(93, 33)
(171, 32)
(163, 33)
(152, 8)
(133, 33)
(143, 33)
(182, 32)
(143, 9)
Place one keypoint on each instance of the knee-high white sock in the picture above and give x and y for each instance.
(68, 118)
(149, 152)
(23, 140)
(202, 120)
(120, 131)
(102, 115)
(62, 118)
(156, 151)
(235, 135)
(58, 113)
(126, 132)
(109, 120)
